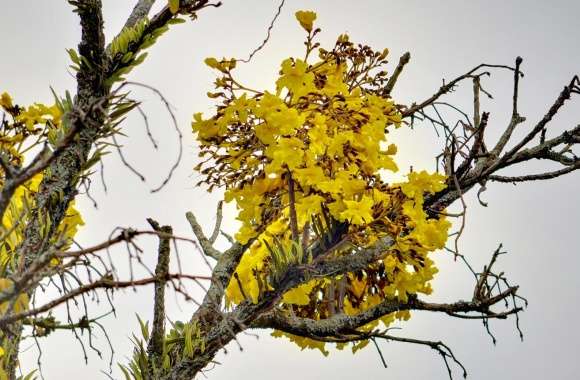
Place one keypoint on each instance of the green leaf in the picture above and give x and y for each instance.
(144, 328)
(127, 57)
(125, 372)
(188, 342)
(69, 100)
(173, 6)
(148, 41)
(123, 109)
(72, 53)
(139, 60)
(30, 376)
(175, 21)
(57, 100)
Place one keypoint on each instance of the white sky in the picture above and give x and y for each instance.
(537, 223)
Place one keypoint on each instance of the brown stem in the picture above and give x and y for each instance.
(292, 200)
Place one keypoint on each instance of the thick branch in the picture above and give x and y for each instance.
(155, 344)
(342, 323)
(57, 191)
(536, 177)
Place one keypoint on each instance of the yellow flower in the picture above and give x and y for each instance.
(240, 107)
(21, 303)
(285, 121)
(296, 78)
(6, 101)
(349, 185)
(173, 6)
(358, 212)
(306, 19)
(286, 153)
(299, 295)
(332, 137)
(357, 287)
(335, 80)
(268, 103)
(318, 135)
(245, 234)
(205, 129)
(308, 206)
(302, 342)
(224, 65)
(423, 182)
(71, 223)
(40, 114)
(267, 184)
(310, 175)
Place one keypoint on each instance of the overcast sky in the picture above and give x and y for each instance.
(537, 223)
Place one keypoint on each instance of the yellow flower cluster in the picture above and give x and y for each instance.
(26, 122)
(315, 149)
(16, 216)
(21, 130)
(21, 303)
(38, 115)
(34, 120)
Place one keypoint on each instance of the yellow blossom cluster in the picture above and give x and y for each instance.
(303, 163)
(21, 130)
(24, 124)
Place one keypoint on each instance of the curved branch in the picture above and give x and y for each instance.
(446, 88)
(105, 282)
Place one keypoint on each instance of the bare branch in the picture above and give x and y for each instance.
(175, 127)
(405, 58)
(440, 347)
(536, 177)
(140, 10)
(558, 104)
(268, 32)
(204, 242)
(105, 282)
(516, 118)
(218, 223)
(449, 87)
(155, 345)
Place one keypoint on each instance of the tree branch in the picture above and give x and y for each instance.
(140, 10)
(405, 58)
(66, 168)
(536, 177)
(342, 323)
(448, 87)
(106, 282)
(204, 242)
(155, 344)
